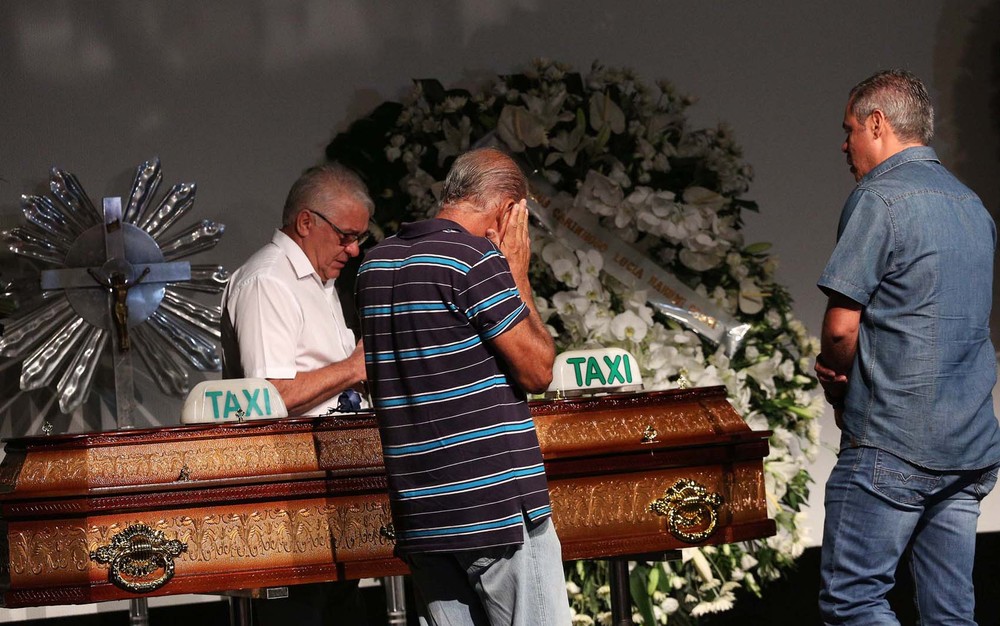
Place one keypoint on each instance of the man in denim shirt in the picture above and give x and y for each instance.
(908, 366)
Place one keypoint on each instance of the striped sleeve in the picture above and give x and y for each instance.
(490, 300)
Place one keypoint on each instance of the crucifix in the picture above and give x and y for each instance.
(114, 279)
(118, 284)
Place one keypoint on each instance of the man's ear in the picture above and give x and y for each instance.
(304, 222)
(503, 217)
(876, 122)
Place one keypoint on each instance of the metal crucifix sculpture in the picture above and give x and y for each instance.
(129, 266)
(119, 273)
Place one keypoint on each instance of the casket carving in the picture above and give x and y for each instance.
(202, 508)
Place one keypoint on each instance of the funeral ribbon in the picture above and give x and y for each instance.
(580, 229)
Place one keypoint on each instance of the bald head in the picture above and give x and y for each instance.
(480, 180)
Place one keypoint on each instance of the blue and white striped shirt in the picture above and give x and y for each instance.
(458, 440)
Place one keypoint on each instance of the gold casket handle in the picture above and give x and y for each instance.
(692, 511)
(137, 552)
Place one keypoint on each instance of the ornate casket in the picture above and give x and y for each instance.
(202, 508)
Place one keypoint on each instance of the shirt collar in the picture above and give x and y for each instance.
(413, 230)
(916, 153)
(300, 262)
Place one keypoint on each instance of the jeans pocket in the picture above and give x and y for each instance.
(987, 480)
(479, 560)
(900, 481)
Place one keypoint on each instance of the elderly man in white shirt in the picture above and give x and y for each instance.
(282, 320)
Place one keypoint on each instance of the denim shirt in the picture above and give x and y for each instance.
(915, 248)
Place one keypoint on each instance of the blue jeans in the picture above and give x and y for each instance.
(520, 585)
(878, 505)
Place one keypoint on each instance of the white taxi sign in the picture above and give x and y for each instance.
(234, 400)
(604, 370)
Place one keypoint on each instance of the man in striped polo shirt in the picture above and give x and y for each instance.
(452, 343)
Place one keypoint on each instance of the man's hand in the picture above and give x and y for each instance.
(309, 388)
(834, 387)
(527, 348)
(828, 377)
(514, 242)
(838, 348)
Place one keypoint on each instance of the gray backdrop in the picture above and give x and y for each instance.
(241, 95)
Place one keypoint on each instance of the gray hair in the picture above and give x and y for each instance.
(484, 177)
(318, 183)
(903, 100)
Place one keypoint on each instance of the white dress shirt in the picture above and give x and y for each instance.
(281, 318)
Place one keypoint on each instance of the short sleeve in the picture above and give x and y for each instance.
(864, 251)
(267, 321)
(491, 301)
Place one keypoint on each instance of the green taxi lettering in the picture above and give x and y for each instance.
(230, 405)
(588, 371)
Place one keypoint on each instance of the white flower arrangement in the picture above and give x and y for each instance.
(623, 150)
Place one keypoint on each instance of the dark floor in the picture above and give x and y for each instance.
(792, 600)
(787, 602)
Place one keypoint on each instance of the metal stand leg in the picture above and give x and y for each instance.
(621, 601)
(239, 611)
(138, 612)
(395, 600)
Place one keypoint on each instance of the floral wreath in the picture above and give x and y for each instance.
(611, 144)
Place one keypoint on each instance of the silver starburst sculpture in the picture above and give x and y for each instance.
(115, 274)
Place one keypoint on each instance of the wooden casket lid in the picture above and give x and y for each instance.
(580, 435)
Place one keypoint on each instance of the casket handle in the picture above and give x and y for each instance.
(137, 552)
(692, 511)
(388, 531)
(649, 435)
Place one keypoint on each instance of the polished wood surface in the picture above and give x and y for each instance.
(278, 502)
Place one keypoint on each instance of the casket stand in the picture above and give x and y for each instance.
(204, 508)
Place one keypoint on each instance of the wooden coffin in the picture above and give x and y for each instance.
(203, 508)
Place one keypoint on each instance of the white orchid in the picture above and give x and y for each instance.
(554, 250)
(704, 252)
(627, 326)
(566, 271)
(591, 262)
(681, 223)
(598, 320)
(569, 304)
(636, 301)
(599, 194)
(591, 287)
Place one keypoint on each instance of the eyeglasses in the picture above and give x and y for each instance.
(346, 239)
